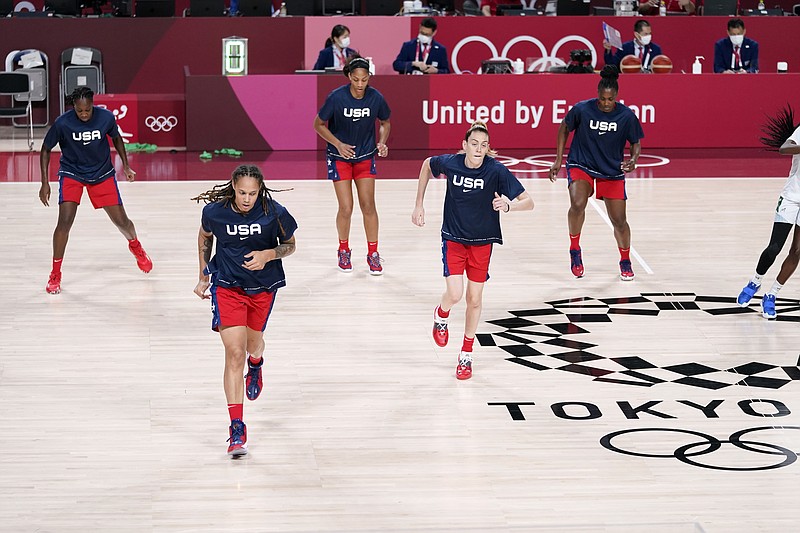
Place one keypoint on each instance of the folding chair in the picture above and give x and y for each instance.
(81, 66)
(36, 65)
(12, 84)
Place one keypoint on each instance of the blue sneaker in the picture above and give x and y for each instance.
(253, 380)
(576, 263)
(344, 261)
(747, 294)
(625, 270)
(238, 438)
(768, 306)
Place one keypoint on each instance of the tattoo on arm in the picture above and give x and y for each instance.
(284, 250)
(205, 248)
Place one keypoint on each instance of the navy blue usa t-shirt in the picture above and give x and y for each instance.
(469, 217)
(239, 234)
(599, 142)
(85, 154)
(352, 120)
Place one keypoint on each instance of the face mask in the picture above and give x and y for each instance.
(737, 40)
(345, 42)
(645, 39)
(424, 39)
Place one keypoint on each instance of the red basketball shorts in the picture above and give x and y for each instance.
(602, 188)
(234, 307)
(103, 194)
(339, 170)
(458, 258)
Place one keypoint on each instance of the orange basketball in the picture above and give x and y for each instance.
(630, 64)
(661, 65)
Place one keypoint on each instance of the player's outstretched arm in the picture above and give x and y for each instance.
(205, 242)
(418, 215)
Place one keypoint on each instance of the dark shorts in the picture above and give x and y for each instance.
(103, 194)
(234, 307)
(601, 188)
(458, 258)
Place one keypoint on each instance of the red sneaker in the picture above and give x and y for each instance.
(626, 270)
(464, 368)
(576, 263)
(54, 283)
(440, 333)
(374, 261)
(238, 438)
(142, 260)
(344, 261)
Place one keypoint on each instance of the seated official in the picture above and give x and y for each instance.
(423, 55)
(650, 7)
(641, 46)
(337, 49)
(736, 54)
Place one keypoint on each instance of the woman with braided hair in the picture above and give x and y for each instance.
(253, 232)
(347, 122)
(86, 164)
(782, 135)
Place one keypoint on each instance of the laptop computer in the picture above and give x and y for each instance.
(719, 8)
(517, 11)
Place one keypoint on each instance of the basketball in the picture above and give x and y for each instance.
(661, 65)
(630, 64)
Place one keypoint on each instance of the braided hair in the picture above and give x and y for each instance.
(226, 193)
(778, 129)
(608, 79)
(80, 93)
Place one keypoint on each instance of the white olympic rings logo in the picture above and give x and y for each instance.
(541, 64)
(161, 123)
(542, 163)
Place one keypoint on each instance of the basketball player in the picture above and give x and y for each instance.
(602, 127)
(253, 234)
(782, 135)
(478, 189)
(86, 164)
(347, 122)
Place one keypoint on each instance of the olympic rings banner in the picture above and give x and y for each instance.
(152, 119)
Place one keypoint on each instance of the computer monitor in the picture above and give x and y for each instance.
(300, 8)
(255, 8)
(574, 7)
(719, 8)
(497, 66)
(207, 8)
(71, 8)
(155, 8)
(387, 8)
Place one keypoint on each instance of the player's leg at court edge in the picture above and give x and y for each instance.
(473, 316)
(780, 232)
(788, 267)
(622, 233)
(125, 225)
(579, 192)
(344, 197)
(234, 339)
(66, 217)
(254, 382)
(366, 202)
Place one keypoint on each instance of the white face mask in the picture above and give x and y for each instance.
(737, 40)
(344, 42)
(645, 39)
(424, 39)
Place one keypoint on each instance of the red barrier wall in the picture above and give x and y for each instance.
(677, 111)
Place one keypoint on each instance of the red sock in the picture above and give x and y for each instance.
(57, 265)
(235, 410)
(134, 242)
(372, 247)
(575, 242)
(467, 345)
(344, 244)
(624, 254)
(255, 362)
(441, 312)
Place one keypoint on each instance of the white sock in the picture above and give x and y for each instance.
(775, 288)
(757, 279)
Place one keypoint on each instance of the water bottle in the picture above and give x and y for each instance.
(662, 9)
(519, 66)
(283, 9)
(761, 4)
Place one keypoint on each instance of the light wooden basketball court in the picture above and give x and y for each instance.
(113, 418)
